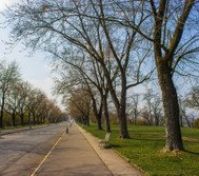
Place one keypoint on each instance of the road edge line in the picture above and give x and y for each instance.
(46, 156)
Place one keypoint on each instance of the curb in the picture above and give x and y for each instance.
(83, 131)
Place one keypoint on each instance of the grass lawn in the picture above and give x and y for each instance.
(144, 150)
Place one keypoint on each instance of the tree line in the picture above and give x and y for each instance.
(20, 103)
(142, 109)
(107, 49)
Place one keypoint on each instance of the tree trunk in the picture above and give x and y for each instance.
(22, 119)
(2, 111)
(181, 120)
(44, 119)
(1, 118)
(87, 121)
(37, 119)
(119, 104)
(14, 118)
(135, 117)
(99, 121)
(88, 118)
(106, 114)
(34, 119)
(29, 118)
(123, 123)
(188, 122)
(171, 108)
(122, 111)
(156, 120)
(98, 115)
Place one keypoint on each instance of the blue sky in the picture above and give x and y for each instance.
(34, 67)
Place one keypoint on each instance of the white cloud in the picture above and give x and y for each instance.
(6, 3)
(43, 84)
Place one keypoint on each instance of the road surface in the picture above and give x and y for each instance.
(49, 151)
(20, 153)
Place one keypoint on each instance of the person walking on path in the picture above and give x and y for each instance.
(67, 127)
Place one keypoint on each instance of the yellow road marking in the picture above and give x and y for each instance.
(46, 156)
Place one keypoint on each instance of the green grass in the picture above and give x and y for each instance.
(144, 150)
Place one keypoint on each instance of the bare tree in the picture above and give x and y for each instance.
(135, 107)
(157, 111)
(23, 89)
(79, 105)
(154, 107)
(165, 62)
(170, 48)
(12, 103)
(83, 24)
(87, 73)
(18, 99)
(193, 98)
(191, 101)
(167, 23)
(9, 75)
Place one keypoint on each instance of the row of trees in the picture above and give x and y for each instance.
(142, 109)
(20, 104)
(107, 48)
(148, 107)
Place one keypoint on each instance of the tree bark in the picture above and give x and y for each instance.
(123, 123)
(29, 118)
(171, 107)
(188, 122)
(157, 120)
(2, 111)
(22, 119)
(1, 118)
(99, 121)
(135, 117)
(98, 115)
(87, 121)
(181, 120)
(14, 118)
(34, 119)
(106, 114)
(122, 111)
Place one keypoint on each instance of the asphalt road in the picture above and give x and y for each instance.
(20, 153)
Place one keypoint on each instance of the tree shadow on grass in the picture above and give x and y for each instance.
(191, 152)
(116, 146)
(147, 139)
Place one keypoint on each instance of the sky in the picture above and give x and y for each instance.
(34, 67)
(5, 2)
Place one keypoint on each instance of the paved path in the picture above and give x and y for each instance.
(49, 151)
(73, 156)
(78, 154)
